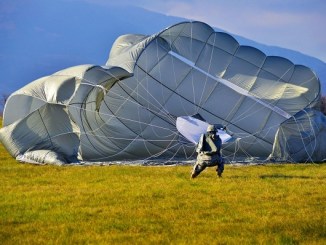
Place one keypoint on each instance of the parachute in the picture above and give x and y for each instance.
(128, 108)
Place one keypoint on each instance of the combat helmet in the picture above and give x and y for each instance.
(211, 128)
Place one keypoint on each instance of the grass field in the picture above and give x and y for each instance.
(263, 204)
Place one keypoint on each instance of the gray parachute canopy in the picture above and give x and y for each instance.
(128, 109)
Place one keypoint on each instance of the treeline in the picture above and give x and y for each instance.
(323, 104)
(3, 99)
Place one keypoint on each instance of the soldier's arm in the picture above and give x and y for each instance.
(212, 145)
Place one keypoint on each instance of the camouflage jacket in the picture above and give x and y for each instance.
(209, 147)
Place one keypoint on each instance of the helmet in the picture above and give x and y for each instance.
(211, 128)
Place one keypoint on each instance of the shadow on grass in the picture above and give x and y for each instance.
(283, 176)
(238, 177)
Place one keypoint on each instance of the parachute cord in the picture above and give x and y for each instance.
(301, 129)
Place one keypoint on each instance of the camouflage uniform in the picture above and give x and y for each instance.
(209, 153)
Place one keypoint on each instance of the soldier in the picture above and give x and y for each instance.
(209, 153)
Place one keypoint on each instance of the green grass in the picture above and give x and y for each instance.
(265, 204)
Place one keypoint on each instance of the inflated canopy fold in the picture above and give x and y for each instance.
(128, 108)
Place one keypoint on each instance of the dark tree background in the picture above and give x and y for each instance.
(3, 99)
(323, 104)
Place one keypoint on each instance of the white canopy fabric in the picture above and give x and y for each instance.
(192, 128)
(128, 108)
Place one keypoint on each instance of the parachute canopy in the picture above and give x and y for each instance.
(128, 109)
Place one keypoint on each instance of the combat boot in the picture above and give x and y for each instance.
(219, 173)
(194, 174)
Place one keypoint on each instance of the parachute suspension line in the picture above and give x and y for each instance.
(267, 130)
(38, 111)
(203, 108)
(128, 119)
(152, 156)
(296, 122)
(113, 116)
(170, 142)
(300, 128)
(90, 131)
(201, 100)
(131, 141)
(192, 75)
(167, 149)
(83, 115)
(287, 156)
(237, 89)
(190, 63)
(249, 112)
(109, 115)
(173, 123)
(160, 75)
(89, 83)
(286, 115)
(225, 122)
(236, 149)
(168, 119)
(165, 117)
(137, 94)
(128, 100)
(246, 113)
(312, 126)
(173, 67)
(160, 113)
(160, 109)
(141, 122)
(232, 86)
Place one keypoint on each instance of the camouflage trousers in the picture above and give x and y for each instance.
(201, 164)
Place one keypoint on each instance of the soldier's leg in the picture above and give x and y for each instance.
(220, 167)
(198, 168)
